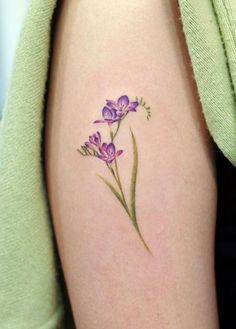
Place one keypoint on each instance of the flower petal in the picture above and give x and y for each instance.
(112, 121)
(104, 147)
(111, 149)
(108, 114)
(119, 152)
(101, 157)
(110, 160)
(133, 105)
(111, 103)
(88, 145)
(99, 121)
(99, 137)
(123, 101)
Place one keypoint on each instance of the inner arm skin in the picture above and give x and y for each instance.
(102, 50)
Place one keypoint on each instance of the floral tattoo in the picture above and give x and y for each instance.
(113, 114)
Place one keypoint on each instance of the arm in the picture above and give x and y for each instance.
(118, 278)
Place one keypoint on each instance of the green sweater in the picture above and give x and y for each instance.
(29, 293)
(210, 30)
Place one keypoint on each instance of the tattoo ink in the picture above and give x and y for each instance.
(113, 114)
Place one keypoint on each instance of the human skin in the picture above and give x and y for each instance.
(102, 51)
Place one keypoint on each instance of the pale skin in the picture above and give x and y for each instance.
(103, 50)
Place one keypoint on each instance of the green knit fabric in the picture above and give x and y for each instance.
(210, 31)
(29, 294)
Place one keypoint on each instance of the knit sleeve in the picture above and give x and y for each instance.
(209, 28)
(29, 292)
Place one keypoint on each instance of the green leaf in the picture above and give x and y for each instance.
(143, 104)
(86, 152)
(111, 136)
(114, 191)
(133, 178)
(80, 152)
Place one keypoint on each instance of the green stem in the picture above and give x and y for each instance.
(118, 180)
(121, 190)
(131, 212)
(133, 190)
(133, 216)
(111, 133)
(135, 223)
(116, 174)
(117, 129)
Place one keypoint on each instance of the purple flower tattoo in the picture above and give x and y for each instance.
(108, 152)
(114, 112)
(122, 106)
(109, 116)
(95, 139)
(104, 151)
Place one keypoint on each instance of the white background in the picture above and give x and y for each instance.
(12, 13)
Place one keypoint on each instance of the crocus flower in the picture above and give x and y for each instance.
(116, 110)
(122, 106)
(109, 115)
(108, 152)
(95, 139)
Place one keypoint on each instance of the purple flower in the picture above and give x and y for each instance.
(95, 139)
(116, 111)
(122, 106)
(109, 116)
(108, 152)
(104, 151)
